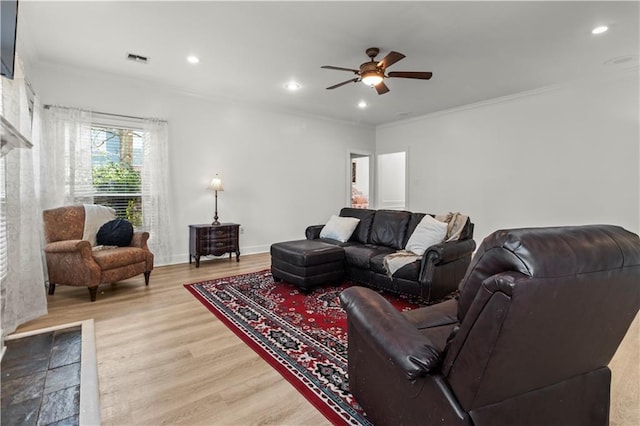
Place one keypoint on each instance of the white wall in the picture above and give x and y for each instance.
(392, 181)
(564, 156)
(281, 171)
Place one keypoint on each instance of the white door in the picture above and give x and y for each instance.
(392, 177)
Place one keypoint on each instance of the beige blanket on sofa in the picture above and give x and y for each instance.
(397, 260)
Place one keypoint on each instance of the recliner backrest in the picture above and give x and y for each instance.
(538, 306)
(63, 223)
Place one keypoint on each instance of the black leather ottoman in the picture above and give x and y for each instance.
(307, 263)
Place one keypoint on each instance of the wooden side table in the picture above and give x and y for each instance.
(216, 240)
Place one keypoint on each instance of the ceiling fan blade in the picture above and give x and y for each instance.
(353, 80)
(390, 59)
(412, 74)
(330, 67)
(381, 88)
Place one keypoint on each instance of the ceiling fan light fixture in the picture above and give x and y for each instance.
(371, 78)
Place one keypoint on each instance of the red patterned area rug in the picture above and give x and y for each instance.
(304, 337)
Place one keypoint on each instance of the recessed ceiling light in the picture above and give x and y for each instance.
(193, 59)
(599, 30)
(292, 85)
(362, 104)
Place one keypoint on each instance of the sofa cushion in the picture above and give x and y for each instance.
(408, 272)
(361, 234)
(389, 228)
(339, 228)
(360, 256)
(118, 257)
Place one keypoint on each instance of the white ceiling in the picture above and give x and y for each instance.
(248, 50)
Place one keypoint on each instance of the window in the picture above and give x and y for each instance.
(116, 165)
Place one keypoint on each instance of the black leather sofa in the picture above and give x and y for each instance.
(540, 314)
(381, 232)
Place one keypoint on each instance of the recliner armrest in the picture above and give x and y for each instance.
(394, 337)
(449, 251)
(313, 232)
(139, 239)
(83, 247)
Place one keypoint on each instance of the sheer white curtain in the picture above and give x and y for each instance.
(155, 187)
(64, 172)
(22, 282)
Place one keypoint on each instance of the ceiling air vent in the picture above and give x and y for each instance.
(137, 58)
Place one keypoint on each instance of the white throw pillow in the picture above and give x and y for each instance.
(339, 228)
(428, 232)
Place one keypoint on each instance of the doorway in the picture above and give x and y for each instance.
(392, 178)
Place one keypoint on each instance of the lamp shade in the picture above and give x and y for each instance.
(216, 184)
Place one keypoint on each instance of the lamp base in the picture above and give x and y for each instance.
(215, 211)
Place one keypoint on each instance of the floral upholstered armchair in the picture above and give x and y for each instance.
(73, 257)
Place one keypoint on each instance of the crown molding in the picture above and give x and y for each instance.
(611, 76)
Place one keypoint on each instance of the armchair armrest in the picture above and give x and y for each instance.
(391, 333)
(313, 232)
(140, 239)
(71, 262)
(81, 247)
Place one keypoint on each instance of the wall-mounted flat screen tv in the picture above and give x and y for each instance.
(8, 24)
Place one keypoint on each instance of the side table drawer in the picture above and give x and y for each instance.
(208, 245)
(215, 234)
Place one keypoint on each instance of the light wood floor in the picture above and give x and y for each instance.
(163, 358)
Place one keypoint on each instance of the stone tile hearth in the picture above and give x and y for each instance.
(41, 379)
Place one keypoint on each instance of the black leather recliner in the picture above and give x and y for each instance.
(540, 314)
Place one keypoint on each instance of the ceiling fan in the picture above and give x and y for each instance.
(372, 73)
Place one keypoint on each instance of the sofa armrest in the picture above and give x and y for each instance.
(313, 232)
(449, 251)
(81, 247)
(394, 337)
(140, 239)
(443, 266)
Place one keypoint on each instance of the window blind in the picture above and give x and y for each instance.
(116, 165)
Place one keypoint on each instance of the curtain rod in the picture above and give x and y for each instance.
(48, 106)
